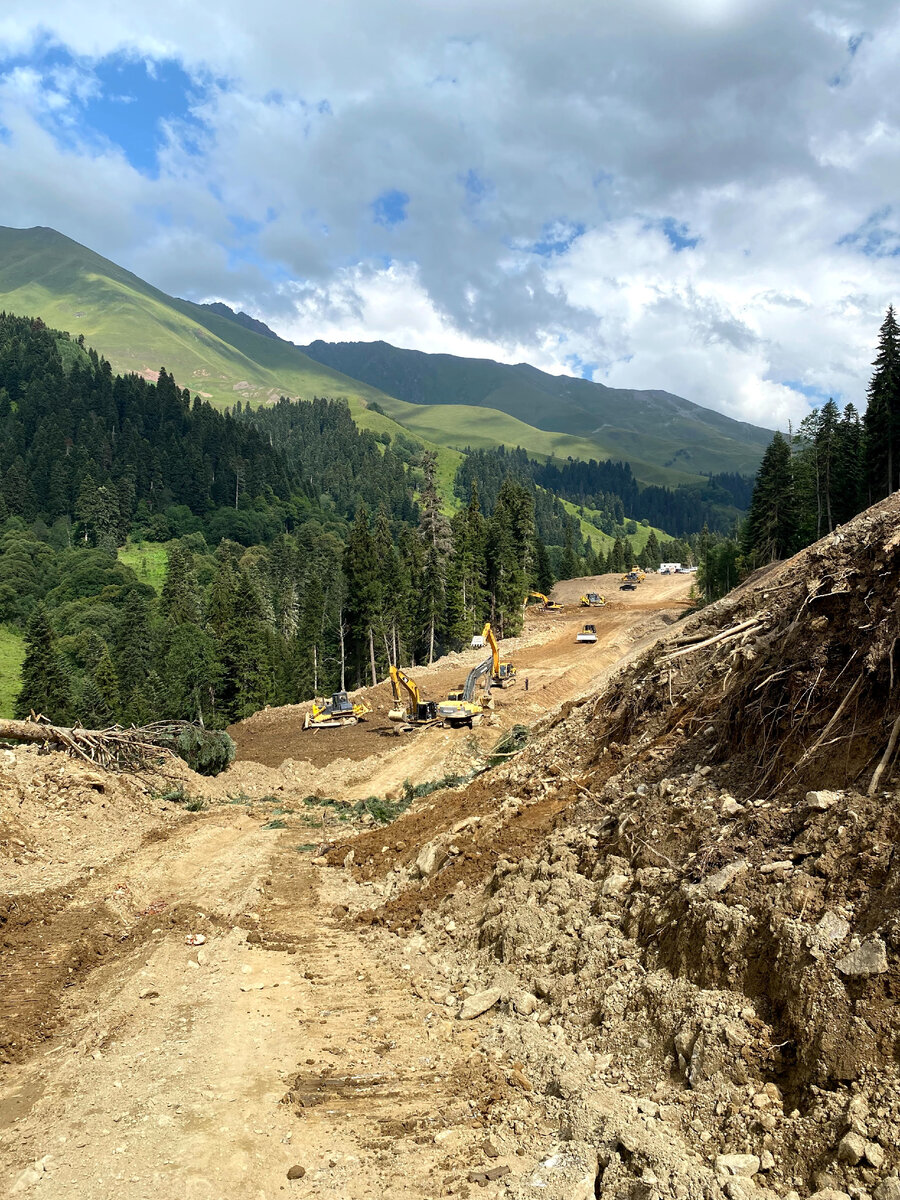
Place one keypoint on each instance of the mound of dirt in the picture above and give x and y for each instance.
(685, 890)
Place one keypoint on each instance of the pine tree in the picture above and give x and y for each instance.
(437, 540)
(100, 695)
(363, 592)
(772, 528)
(192, 673)
(46, 685)
(134, 648)
(180, 596)
(544, 578)
(882, 418)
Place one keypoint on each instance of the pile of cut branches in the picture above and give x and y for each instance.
(134, 749)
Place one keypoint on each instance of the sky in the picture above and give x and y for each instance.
(696, 195)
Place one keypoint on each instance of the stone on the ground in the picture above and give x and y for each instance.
(296, 1172)
(820, 801)
(737, 1164)
(888, 1189)
(831, 930)
(874, 1155)
(851, 1148)
(430, 859)
(474, 1006)
(869, 959)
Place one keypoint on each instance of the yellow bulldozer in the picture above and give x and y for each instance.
(592, 600)
(339, 710)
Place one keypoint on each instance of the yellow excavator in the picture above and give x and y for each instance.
(593, 600)
(503, 674)
(339, 710)
(547, 605)
(461, 708)
(409, 707)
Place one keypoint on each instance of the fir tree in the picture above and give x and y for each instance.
(882, 419)
(46, 686)
(771, 530)
(434, 531)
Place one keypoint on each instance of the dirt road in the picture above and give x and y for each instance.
(200, 1015)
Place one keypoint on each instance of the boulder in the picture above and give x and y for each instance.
(737, 1164)
(430, 859)
(869, 959)
(474, 1006)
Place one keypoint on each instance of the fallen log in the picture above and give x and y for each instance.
(135, 748)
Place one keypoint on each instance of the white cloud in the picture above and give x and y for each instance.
(546, 156)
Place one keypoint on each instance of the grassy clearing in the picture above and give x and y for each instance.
(147, 560)
(12, 654)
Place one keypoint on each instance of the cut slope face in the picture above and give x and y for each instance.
(653, 427)
(701, 961)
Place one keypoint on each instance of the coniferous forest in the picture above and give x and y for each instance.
(834, 465)
(303, 554)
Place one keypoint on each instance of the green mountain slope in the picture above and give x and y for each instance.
(209, 349)
(446, 402)
(655, 428)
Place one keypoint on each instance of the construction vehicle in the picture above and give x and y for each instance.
(588, 634)
(547, 605)
(340, 710)
(503, 674)
(593, 600)
(635, 575)
(461, 708)
(410, 709)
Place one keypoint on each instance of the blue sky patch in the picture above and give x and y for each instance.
(119, 98)
(814, 394)
(677, 234)
(875, 237)
(389, 209)
(556, 237)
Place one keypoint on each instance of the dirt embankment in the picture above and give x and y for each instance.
(700, 960)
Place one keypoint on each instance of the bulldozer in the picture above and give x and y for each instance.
(547, 605)
(593, 600)
(339, 710)
(588, 634)
(410, 711)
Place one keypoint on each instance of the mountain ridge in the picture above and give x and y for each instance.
(581, 408)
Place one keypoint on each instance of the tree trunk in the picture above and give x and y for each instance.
(343, 655)
(316, 670)
(372, 656)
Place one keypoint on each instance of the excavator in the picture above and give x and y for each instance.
(503, 674)
(461, 708)
(593, 600)
(339, 710)
(548, 605)
(410, 709)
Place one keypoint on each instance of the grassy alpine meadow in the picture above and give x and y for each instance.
(147, 560)
(12, 655)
